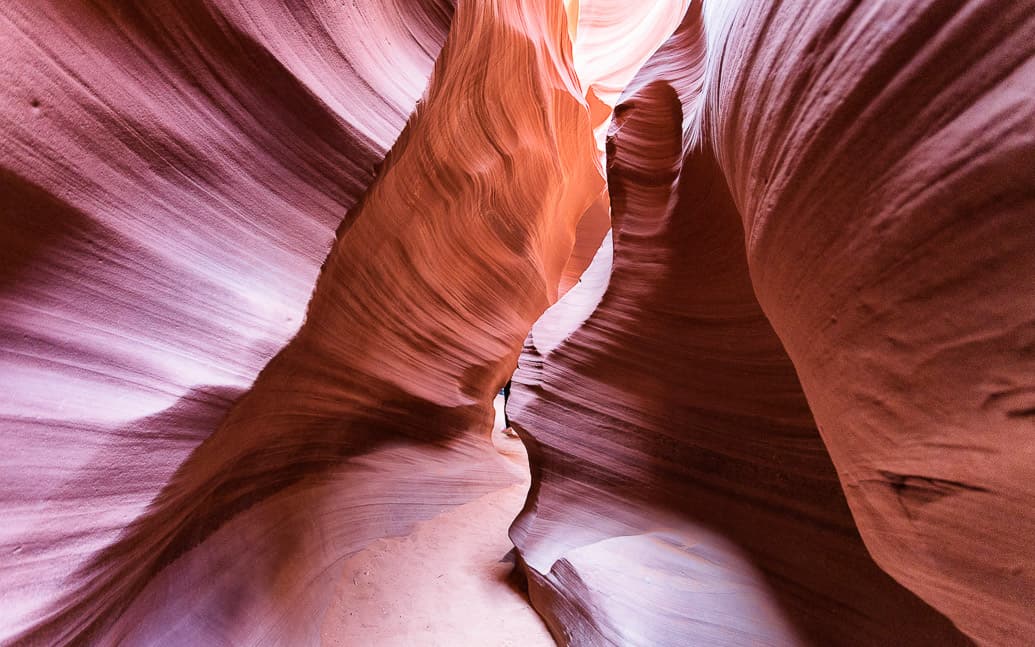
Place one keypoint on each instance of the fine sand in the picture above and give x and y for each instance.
(446, 584)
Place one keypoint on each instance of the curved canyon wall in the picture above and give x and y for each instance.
(374, 416)
(904, 190)
(815, 344)
(788, 402)
(173, 178)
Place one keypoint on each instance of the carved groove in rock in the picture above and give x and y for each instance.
(699, 503)
(786, 399)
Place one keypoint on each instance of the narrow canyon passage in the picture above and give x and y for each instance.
(446, 583)
(758, 274)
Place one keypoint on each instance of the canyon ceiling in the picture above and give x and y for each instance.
(765, 271)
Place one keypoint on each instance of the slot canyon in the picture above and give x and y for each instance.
(517, 322)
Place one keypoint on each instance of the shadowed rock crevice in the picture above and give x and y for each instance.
(722, 452)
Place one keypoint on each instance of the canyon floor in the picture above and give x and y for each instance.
(445, 584)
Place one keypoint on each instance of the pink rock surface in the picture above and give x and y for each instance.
(905, 195)
(172, 179)
(880, 160)
(376, 414)
(787, 400)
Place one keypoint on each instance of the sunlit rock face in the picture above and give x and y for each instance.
(786, 400)
(172, 180)
(210, 521)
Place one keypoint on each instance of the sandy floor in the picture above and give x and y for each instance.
(445, 585)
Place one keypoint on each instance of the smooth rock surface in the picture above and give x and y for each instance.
(837, 192)
(447, 583)
(171, 178)
(786, 400)
(376, 414)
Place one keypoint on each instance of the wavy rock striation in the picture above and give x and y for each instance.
(788, 402)
(376, 414)
(889, 232)
(788, 361)
(172, 179)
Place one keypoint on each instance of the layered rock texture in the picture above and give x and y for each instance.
(782, 393)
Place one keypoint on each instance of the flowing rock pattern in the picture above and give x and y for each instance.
(787, 400)
(172, 179)
(890, 232)
(376, 414)
(880, 159)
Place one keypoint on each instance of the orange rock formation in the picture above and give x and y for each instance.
(782, 392)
